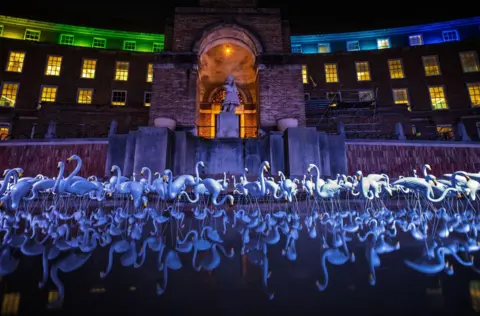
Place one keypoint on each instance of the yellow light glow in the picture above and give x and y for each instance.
(228, 50)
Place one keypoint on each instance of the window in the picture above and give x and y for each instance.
(1, 30)
(129, 45)
(353, 46)
(431, 65)
(395, 66)
(32, 35)
(54, 63)
(474, 91)
(469, 61)
(66, 39)
(121, 71)
(88, 68)
(84, 96)
(9, 94)
(119, 97)
(4, 131)
(157, 47)
(150, 73)
(383, 43)
(450, 36)
(415, 40)
(304, 74)
(331, 74)
(445, 131)
(297, 49)
(147, 99)
(48, 94)
(99, 42)
(437, 96)
(400, 96)
(363, 70)
(324, 48)
(365, 95)
(15, 61)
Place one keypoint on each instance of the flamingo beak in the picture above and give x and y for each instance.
(69, 159)
(459, 195)
(358, 177)
(20, 174)
(141, 173)
(112, 170)
(1, 203)
(467, 193)
(165, 178)
(4, 173)
(435, 182)
(231, 203)
(145, 204)
(109, 194)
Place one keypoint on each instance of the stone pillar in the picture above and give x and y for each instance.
(153, 149)
(113, 128)
(399, 131)
(130, 153)
(301, 149)
(281, 93)
(116, 152)
(174, 92)
(461, 132)
(51, 130)
(277, 152)
(180, 154)
(337, 150)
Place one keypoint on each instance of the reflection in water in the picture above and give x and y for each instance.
(64, 221)
(475, 295)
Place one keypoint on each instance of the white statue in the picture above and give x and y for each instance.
(231, 100)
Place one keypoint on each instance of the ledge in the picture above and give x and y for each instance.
(413, 143)
(54, 142)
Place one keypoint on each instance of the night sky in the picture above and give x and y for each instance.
(306, 17)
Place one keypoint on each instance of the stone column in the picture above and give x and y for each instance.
(399, 131)
(153, 149)
(51, 130)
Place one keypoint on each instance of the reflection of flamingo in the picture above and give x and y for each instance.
(8, 263)
(433, 268)
(172, 261)
(336, 257)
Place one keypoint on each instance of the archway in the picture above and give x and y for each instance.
(225, 52)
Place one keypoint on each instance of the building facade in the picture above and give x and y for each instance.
(424, 78)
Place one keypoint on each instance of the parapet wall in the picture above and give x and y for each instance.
(371, 156)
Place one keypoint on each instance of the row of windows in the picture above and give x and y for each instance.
(16, 60)
(97, 42)
(9, 92)
(382, 43)
(469, 61)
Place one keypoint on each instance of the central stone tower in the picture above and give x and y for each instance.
(219, 38)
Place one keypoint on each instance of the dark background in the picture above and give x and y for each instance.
(306, 17)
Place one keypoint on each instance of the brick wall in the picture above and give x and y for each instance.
(43, 157)
(190, 22)
(281, 93)
(402, 159)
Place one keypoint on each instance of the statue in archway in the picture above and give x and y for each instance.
(231, 101)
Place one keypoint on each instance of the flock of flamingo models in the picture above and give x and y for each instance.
(64, 219)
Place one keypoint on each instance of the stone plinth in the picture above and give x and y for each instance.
(116, 152)
(228, 125)
(130, 154)
(152, 149)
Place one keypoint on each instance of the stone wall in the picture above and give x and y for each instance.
(281, 94)
(43, 157)
(400, 158)
(174, 93)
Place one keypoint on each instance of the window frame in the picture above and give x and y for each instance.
(78, 93)
(444, 93)
(8, 60)
(369, 71)
(476, 59)
(66, 34)
(299, 46)
(99, 38)
(116, 69)
(16, 92)
(323, 44)
(32, 30)
(46, 66)
(145, 98)
(457, 37)
(336, 70)
(384, 39)
(304, 66)
(410, 41)
(47, 86)
(125, 42)
(401, 65)
(468, 92)
(81, 68)
(118, 90)
(408, 96)
(353, 50)
(438, 63)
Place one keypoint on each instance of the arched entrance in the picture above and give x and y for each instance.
(227, 51)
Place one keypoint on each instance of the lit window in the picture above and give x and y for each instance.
(4, 132)
(363, 70)
(1, 30)
(32, 35)
(84, 96)
(121, 70)
(365, 95)
(157, 47)
(304, 74)
(66, 39)
(445, 131)
(54, 63)
(15, 61)
(88, 68)
(129, 45)
(297, 49)
(150, 73)
(474, 91)
(395, 67)
(437, 96)
(331, 74)
(99, 42)
(324, 48)
(415, 40)
(469, 61)
(450, 36)
(9, 94)
(148, 98)
(353, 46)
(119, 97)
(48, 94)
(400, 96)
(431, 65)
(10, 304)
(383, 43)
